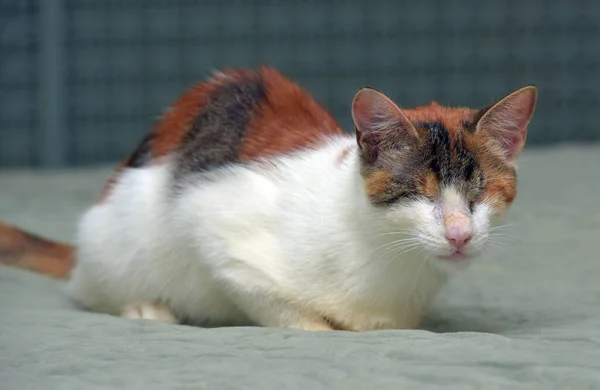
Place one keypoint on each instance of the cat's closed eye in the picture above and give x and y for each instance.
(396, 198)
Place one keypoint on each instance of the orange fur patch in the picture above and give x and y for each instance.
(452, 118)
(430, 185)
(499, 178)
(500, 193)
(376, 182)
(289, 120)
(28, 251)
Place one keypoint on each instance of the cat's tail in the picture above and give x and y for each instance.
(25, 250)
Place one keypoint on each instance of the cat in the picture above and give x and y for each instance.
(248, 205)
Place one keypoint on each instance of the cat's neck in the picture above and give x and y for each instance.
(374, 262)
(378, 246)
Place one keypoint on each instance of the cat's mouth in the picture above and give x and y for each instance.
(457, 256)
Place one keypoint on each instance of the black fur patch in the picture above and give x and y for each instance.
(218, 132)
(440, 151)
(142, 154)
(453, 164)
(470, 125)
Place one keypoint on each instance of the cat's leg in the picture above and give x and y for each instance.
(290, 319)
(149, 311)
(266, 309)
(313, 325)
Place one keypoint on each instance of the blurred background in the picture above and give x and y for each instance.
(82, 80)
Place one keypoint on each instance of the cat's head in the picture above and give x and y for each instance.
(442, 175)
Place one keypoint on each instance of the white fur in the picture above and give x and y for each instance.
(280, 244)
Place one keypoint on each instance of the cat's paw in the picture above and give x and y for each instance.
(317, 325)
(150, 311)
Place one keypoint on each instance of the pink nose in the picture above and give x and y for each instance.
(458, 236)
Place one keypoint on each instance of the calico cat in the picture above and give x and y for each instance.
(247, 204)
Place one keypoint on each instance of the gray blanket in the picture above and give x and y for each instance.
(525, 317)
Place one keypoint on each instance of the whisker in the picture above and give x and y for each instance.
(494, 228)
(390, 252)
(381, 236)
(393, 243)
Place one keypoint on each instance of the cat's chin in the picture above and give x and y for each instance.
(455, 261)
(457, 257)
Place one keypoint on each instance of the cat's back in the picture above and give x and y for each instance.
(138, 227)
(234, 116)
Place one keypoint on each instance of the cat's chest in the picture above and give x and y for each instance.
(362, 314)
(391, 297)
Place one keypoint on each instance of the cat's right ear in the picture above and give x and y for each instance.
(379, 124)
(506, 121)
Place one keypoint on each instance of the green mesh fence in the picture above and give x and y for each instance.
(82, 80)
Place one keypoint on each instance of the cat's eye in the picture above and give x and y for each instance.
(471, 205)
(394, 199)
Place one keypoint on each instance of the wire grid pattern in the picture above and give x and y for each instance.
(18, 83)
(126, 61)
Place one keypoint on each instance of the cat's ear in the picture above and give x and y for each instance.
(379, 124)
(506, 121)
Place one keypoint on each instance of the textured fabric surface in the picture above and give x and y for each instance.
(526, 317)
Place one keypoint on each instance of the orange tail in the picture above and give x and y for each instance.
(28, 251)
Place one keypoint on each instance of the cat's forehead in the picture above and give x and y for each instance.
(453, 119)
(448, 146)
(447, 156)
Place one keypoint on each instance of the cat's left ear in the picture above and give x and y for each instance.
(379, 124)
(506, 121)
